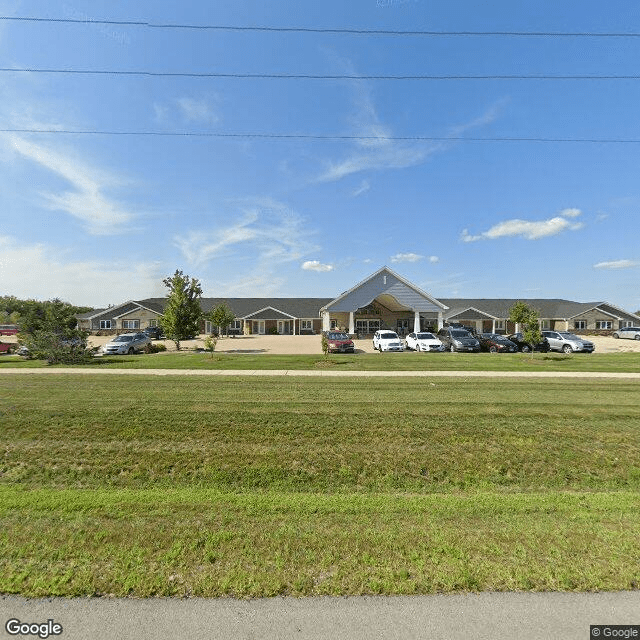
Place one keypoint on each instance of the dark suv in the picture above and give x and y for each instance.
(458, 340)
(339, 342)
(155, 333)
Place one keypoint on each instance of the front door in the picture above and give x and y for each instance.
(283, 327)
(257, 327)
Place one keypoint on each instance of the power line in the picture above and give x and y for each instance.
(309, 76)
(305, 136)
(330, 30)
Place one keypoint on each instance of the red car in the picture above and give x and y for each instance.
(339, 342)
(8, 329)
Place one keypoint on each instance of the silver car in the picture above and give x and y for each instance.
(567, 342)
(126, 343)
(630, 333)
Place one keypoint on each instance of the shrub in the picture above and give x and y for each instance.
(154, 348)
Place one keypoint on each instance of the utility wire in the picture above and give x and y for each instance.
(304, 136)
(308, 76)
(330, 30)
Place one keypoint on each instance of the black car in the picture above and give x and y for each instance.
(495, 343)
(525, 347)
(155, 333)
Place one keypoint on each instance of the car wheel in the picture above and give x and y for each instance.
(374, 347)
(452, 349)
(525, 349)
(493, 350)
(637, 336)
(615, 335)
(131, 350)
(567, 349)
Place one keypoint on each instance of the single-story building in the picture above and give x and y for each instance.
(384, 300)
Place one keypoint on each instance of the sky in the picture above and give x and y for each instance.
(98, 219)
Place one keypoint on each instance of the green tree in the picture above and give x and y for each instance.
(221, 317)
(529, 320)
(49, 330)
(181, 317)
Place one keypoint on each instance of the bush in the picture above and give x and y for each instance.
(154, 348)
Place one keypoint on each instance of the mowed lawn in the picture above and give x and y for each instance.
(264, 486)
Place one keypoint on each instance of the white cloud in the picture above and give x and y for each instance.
(197, 110)
(363, 188)
(267, 230)
(406, 257)
(87, 203)
(434, 259)
(42, 272)
(315, 265)
(383, 153)
(617, 264)
(530, 230)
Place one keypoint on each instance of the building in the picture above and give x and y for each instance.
(382, 300)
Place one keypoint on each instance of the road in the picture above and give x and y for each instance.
(485, 616)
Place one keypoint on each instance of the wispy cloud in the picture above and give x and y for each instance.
(43, 272)
(267, 230)
(315, 265)
(383, 153)
(530, 230)
(617, 264)
(363, 188)
(202, 110)
(87, 201)
(406, 257)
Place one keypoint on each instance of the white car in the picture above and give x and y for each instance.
(384, 340)
(126, 343)
(630, 333)
(423, 341)
(567, 342)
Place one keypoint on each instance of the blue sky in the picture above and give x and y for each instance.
(98, 220)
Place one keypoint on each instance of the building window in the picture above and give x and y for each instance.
(603, 324)
(579, 324)
(131, 324)
(627, 323)
(236, 324)
(544, 324)
(105, 324)
(499, 325)
(306, 325)
(333, 324)
(153, 323)
(367, 326)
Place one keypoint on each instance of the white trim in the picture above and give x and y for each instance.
(597, 308)
(480, 311)
(247, 317)
(393, 273)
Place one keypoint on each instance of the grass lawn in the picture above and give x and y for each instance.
(263, 486)
(407, 361)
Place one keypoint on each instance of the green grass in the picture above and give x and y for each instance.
(408, 361)
(264, 486)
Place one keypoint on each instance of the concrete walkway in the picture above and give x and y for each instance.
(483, 616)
(322, 373)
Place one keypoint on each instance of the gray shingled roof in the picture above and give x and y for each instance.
(499, 307)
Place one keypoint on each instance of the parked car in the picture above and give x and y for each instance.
(6, 347)
(423, 341)
(495, 343)
(126, 343)
(155, 333)
(339, 342)
(567, 342)
(385, 340)
(526, 347)
(458, 340)
(630, 333)
(8, 329)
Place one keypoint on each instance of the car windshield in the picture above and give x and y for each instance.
(123, 339)
(569, 336)
(338, 336)
(460, 334)
(425, 336)
(389, 336)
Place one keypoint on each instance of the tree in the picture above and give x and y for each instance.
(221, 317)
(529, 320)
(49, 331)
(181, 317)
